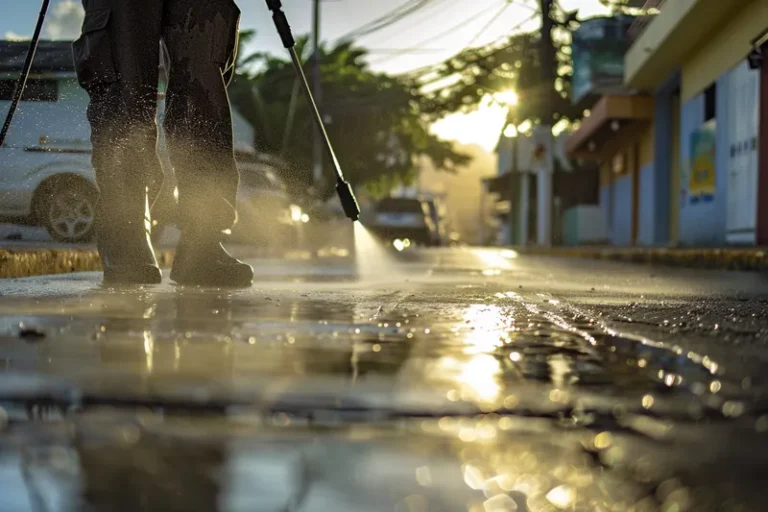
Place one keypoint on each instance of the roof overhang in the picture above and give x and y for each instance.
(609, 114)
(675, 33)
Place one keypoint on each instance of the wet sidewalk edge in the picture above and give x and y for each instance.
(32, 262)
(724, 258)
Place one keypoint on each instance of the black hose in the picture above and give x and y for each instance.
(24, 72)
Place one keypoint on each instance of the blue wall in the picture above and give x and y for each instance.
(648, 212)
(605, 204)
(704, 223)
(621, 223)
(662, 160)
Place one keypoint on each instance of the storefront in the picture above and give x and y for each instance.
(699, 72)
(618, 136)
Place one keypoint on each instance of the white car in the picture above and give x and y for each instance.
(46, 177)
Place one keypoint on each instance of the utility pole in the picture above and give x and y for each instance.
(547, 167)
(317, 144)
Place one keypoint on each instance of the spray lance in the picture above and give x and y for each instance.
(343, 188)
(22, 82)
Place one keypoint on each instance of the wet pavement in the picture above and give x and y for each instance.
(453, 379)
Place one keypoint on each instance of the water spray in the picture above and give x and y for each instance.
(22, 82)
(343, 188)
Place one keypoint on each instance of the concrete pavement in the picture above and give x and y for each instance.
(448, 379)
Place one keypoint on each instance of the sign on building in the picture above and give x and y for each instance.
(598, 50)
(701, 180)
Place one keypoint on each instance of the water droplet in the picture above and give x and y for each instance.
(715, 386)
(603, 440)
(515, 356)
(473, 477)
(562, 496)
(500, 503)
(376, 348)
(506, 423)
(647, 402)
(733, 408)
(423, 476)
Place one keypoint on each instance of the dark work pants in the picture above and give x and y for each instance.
(117, 59)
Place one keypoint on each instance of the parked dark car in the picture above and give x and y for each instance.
(405, 218)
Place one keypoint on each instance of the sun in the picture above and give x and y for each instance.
(482, 126)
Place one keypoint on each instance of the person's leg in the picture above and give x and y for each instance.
(201, 38)
(117, 60)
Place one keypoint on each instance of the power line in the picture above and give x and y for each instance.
(425, 70)
(490, 22)
(435, 37)
(421, 20)
(386, 20)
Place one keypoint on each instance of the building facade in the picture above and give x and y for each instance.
(686, 164)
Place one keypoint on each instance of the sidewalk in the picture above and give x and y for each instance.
(723, 258)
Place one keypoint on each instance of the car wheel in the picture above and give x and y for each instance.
(68, 211)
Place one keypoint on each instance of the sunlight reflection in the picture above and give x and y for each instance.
(488, 326)
(149, 350)
(479, 376)
(494, 259)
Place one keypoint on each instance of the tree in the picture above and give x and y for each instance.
(475, 74)
(376, 125)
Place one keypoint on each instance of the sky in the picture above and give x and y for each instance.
(438, 31)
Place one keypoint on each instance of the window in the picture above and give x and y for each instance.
(400, 205)
(36, 90)
(710, 102)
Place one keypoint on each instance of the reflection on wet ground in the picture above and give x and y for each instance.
(449, 388)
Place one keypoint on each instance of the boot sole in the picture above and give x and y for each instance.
(144, 275)
(243, 281)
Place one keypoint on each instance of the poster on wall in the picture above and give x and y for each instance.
(701, 177)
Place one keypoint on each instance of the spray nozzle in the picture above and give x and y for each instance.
(348, 200)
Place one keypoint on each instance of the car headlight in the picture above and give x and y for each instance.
(295, 213)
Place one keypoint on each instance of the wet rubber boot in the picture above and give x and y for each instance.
(203, 261)
(124, 244)
(127, 257)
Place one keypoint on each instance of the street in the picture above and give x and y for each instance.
(452, 379)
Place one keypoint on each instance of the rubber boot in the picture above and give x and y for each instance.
(127, 257)
(202, 260)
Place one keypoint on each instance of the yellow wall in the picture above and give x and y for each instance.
(624, 141)
(646, 146)
(724, 49)
(674, 185)
(605, 173)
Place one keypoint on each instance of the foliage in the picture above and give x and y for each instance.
(514, 63)
(376, 125)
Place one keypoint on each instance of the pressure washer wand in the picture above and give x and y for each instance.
(21, 84)
(343, 188)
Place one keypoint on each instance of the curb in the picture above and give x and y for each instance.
(33, 262)
(39, 262)
(753, 259)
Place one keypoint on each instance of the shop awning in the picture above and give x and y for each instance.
(609, 115)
